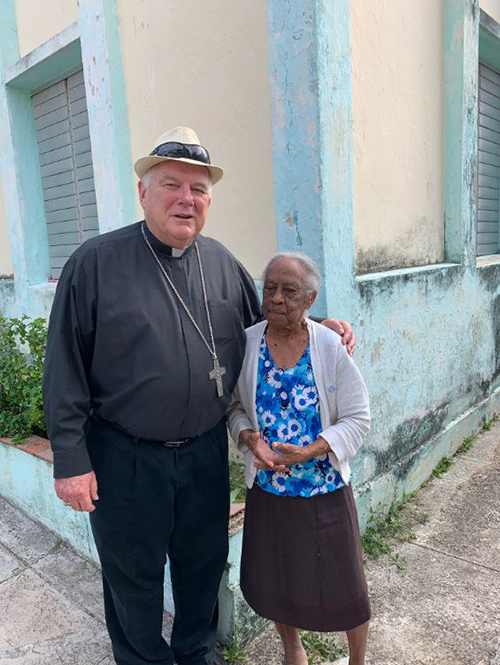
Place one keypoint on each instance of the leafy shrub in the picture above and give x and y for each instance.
(22, 352)
(237, 482)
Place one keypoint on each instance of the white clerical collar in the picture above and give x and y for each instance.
(176, 253)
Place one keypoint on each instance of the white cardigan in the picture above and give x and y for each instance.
(343, 398)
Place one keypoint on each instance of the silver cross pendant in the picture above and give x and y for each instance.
(217, 373)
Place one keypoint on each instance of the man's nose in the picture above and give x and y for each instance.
(186, 195)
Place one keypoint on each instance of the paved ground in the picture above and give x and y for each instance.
(444, 608)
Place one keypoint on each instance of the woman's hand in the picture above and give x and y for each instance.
(290, 454)
(265, 458)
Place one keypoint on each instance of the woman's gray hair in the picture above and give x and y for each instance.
(313, 275)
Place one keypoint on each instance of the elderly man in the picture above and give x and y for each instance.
(146, 341)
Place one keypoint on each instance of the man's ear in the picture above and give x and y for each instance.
(142, 192)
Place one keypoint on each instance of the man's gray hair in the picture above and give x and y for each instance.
(313, 275)
(146, 178)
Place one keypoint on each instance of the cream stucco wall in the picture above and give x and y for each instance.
(397, 60)
(205, 65)
(491, 7)
(5, 261)
(39, 20)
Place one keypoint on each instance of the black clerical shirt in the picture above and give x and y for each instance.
(121, 344)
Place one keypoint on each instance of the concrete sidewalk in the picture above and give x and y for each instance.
(444, 608)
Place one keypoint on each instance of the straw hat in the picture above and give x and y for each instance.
(180, 144)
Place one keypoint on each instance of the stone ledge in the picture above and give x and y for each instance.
(33, 445)
(40, 447)
(26, 481)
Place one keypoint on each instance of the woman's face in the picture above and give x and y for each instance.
(285, 296)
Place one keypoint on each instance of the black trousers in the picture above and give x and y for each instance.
(153, 502)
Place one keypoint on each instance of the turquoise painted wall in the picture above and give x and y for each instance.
(94, 44)
(429, 344)
(428, 337)
(429, 341)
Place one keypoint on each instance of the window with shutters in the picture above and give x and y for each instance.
(488, 208)
(66, 167)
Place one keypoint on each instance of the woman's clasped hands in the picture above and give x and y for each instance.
(279, 456)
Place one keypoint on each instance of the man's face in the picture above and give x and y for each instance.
(175, 199)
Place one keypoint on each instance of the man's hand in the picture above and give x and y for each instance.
(344, 329)
(265, 458)
(78, 492)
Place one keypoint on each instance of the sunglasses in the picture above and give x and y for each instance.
(182, 150)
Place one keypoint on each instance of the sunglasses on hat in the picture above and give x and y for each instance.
(183, 151)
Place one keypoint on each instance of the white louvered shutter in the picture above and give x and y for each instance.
(488, 216)
(66, 164)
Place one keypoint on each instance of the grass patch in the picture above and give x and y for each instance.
(466, 444)
(237, 482)
(446, 462)
(442, 467)
(488, 424)
(385, 530)
(233, 655)
(322, 647)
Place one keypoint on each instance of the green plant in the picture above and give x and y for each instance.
(488, 424)
(22, 351)
(397, 525)
(232, 654)
(466, 444)
(237, 482)
(321, 647)
(442, 467)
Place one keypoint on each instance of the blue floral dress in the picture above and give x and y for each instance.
(288, 412)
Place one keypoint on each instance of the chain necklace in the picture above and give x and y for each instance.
(218, 372)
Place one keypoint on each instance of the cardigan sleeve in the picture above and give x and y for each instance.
(238, 420)
(346, 435)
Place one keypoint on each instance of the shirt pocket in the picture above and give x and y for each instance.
(225, 320)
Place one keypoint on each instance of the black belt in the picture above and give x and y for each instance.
(170, 443)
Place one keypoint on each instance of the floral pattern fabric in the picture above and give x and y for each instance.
(288, 412)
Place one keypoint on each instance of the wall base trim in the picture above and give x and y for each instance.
(409, 472)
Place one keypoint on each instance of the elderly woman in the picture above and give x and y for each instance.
(300, 413)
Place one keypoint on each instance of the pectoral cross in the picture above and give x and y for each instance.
(217, 373)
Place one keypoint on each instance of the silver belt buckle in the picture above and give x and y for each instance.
(174, 443)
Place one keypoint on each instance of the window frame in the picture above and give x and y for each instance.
(489, 55)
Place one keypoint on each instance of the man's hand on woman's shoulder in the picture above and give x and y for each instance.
(344, 329)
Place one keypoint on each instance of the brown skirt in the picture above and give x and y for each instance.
(302, 563)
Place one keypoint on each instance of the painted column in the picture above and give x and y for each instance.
(18, 162)
(461, 114)
(310, 71)
(107, 109)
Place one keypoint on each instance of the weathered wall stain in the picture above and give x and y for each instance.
(435, 280)
(379, 259)
(496, 329)
(395, 255)
(293, 223)
(6, 296)
(409, 435)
